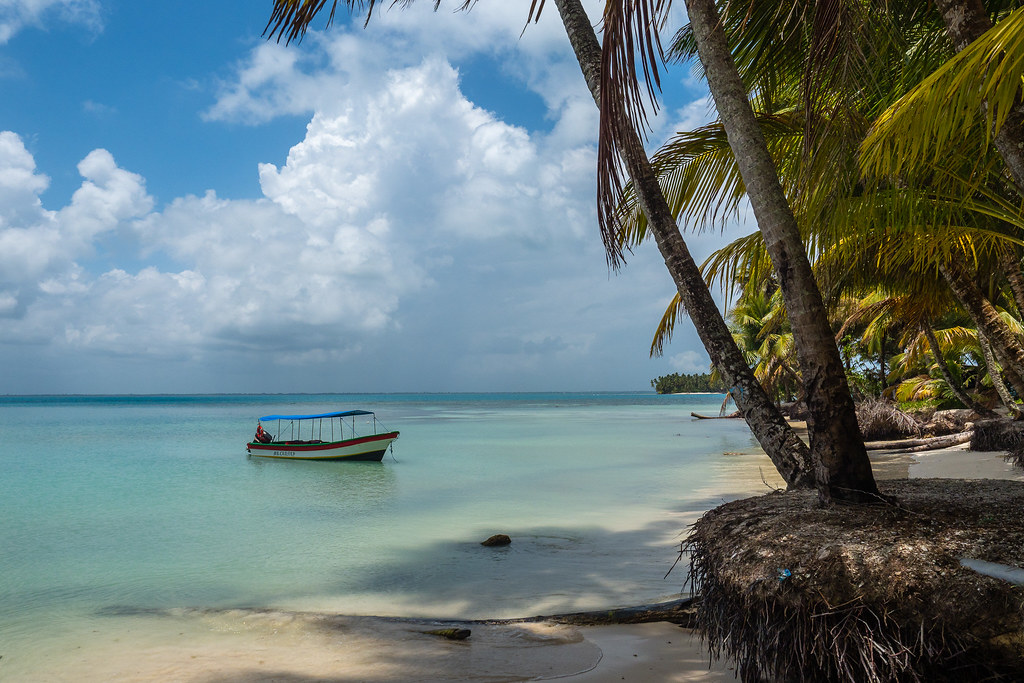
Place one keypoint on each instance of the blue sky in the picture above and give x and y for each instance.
(187, 207)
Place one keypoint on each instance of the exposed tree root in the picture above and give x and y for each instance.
(998, 435)
(797, 592)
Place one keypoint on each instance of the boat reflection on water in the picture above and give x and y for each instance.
(352, 485)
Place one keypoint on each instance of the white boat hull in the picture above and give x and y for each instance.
(363, 448)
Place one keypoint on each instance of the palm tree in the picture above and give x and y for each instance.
(693, 158)
(956, 388)
(290, 18)
(762, 331)
(908, 317)
(785, 449)
(968, 22)
(843, 471)
(976, 92)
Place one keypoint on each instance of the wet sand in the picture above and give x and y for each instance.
(238, 646)
(229, 646)
(651, 652)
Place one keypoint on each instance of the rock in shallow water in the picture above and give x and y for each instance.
(497, 539)
(450, 633)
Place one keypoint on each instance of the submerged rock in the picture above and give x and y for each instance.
(450, 633)
(497, 539)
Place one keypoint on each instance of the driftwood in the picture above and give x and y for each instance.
(450, 633)
(682, 612)
(911, 445)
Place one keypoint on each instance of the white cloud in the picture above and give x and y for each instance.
(488, 27)
(20, 185)
(272, 82)
(689, 362)
(260, 276)
(108, 196)
(98, 109)
(413, 147)
(379, 198)
(35, 242)
(275, 80)
(409, 234)
(17, 14)
(698, 113)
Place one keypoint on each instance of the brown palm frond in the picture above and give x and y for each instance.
(290, 19)
(630, 33)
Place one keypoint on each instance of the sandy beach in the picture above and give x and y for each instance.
(290, 647)
(221, 646)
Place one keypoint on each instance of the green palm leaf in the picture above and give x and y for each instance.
(935, 116)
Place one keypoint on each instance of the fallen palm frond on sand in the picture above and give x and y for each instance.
(881, 419)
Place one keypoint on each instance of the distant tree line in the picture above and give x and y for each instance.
(687, 384)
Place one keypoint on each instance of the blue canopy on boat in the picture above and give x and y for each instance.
(346, 413)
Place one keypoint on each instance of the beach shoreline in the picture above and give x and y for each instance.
(270, 645)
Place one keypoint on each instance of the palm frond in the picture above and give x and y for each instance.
(920, 388)
(700, 179)
(631, 33)
(290, 19)
(663, 335)
(742, 260)
(933, 117)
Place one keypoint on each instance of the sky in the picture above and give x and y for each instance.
(187, 207)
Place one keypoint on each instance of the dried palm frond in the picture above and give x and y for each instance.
(879, 419)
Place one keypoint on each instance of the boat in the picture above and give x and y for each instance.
(326, 436)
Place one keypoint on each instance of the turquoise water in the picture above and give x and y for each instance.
(119, 504)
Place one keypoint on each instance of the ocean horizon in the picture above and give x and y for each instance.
(117, 506)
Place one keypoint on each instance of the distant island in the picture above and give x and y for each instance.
(688, 384)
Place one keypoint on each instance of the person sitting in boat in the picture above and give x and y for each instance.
(262, 436)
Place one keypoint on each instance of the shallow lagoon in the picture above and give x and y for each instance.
(117, 506)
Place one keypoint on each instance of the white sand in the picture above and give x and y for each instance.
(651, 652)
(236, 647)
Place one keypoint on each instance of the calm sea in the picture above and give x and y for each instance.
(118, 505)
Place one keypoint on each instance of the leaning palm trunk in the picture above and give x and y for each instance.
(947, 375)
(289, 20)
(1007, 347)
(789, 454)
(996, 377)
(843, 471)
(1009, 261)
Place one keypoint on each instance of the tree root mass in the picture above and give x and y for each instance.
(798, 592)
